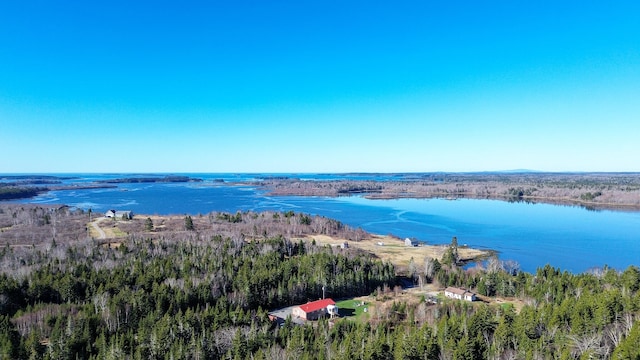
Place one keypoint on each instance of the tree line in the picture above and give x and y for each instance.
(150, 298)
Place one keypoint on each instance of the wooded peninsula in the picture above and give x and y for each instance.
(26, 186)
(591, 190)
(77, 285)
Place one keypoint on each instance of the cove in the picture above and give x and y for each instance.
(569, 237)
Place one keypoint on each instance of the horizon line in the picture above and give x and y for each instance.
(515, 171)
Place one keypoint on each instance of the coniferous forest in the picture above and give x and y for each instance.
(205, 293)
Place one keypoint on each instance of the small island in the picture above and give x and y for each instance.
(151, 179)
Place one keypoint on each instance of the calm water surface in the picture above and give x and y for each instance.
(571, 238)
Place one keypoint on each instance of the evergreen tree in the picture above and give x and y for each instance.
(188, 223)
(9, 339)
(148, 224)
(450, 256)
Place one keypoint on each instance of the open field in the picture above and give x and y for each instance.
(395, 251)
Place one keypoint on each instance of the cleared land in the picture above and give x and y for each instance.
(395, 251)
(357, 309)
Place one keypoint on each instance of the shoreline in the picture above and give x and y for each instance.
(558, 201)
(597, 206)
(593, 191)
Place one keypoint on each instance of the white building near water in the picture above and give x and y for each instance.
(128, 215)
(460, 294)
(409, 242)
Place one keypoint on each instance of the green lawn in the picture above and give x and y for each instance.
(352, 309)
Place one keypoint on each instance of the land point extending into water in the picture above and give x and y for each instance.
(615, 191)
(394, 250)
(33, 227)
(385, 247)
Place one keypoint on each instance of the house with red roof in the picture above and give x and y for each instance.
(315, 309)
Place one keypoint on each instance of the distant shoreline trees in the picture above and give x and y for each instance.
(12, 192)
(603, 190)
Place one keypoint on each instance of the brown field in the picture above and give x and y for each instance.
(395, 251)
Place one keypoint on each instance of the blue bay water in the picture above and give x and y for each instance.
(572, 238)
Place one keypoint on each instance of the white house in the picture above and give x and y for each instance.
(409, 242)
(119, 214)
(460, 294)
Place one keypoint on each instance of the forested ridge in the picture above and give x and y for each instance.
(195, 294)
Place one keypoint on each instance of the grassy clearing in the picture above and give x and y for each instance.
(118, 233)
(110, 228)
(354, 310)
(93, 232)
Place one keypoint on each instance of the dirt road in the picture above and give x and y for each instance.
(96, 226)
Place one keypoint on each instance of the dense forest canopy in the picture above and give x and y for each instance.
(168, 292)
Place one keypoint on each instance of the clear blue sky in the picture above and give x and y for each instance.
(322, 86)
